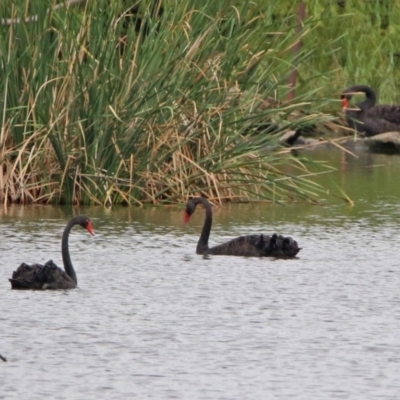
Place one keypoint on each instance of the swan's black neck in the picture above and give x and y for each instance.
(370, 96)
(68, 267)
(202, 244)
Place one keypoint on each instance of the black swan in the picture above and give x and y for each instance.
(367, 118)
(247, 246)
(49, 276)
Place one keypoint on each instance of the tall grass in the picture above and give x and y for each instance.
(357, 43)
(95, 111)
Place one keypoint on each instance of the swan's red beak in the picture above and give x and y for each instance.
(89, 228)
(345, 103)
(186, 217)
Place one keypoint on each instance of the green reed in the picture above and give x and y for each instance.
(357, 43)
(95, 111)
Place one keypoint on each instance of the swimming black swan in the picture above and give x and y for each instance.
(49, 276)
(368, 118)
(248, 246)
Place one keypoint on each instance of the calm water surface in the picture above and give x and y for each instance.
(152, 320)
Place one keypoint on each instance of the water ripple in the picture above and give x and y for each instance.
(153, 320)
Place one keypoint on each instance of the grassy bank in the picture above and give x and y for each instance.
(357, 42)
(100, 107)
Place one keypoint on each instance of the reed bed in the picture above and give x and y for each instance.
(357, 43)
(102, 105)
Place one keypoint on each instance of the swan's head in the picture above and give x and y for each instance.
(348, 94)
(86, 223)
(345, 102)
(189, 210)
(192, 204)
(346, 97)
(89, 227)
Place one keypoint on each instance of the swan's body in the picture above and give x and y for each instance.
(49, 276)
(247, 246)
(367, 118)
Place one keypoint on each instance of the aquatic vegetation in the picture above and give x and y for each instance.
(97, 108)
(364, 49)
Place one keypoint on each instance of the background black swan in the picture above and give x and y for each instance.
(248, 246)
(49, 276)
(368, 118)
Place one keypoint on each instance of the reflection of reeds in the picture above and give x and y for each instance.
(94, 112)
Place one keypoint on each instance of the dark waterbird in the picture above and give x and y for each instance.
(248, 246)
(49, 276)
(367, 117)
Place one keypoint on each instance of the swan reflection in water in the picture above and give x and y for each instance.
(49, 276)
(257, 245)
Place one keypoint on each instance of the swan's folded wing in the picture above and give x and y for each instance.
(246, 246)
(53, 277)
(20, 284)
(279, 246)
(25, 276)
(389, 113)
(40, 277)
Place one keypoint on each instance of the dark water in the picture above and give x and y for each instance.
(152, 320)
